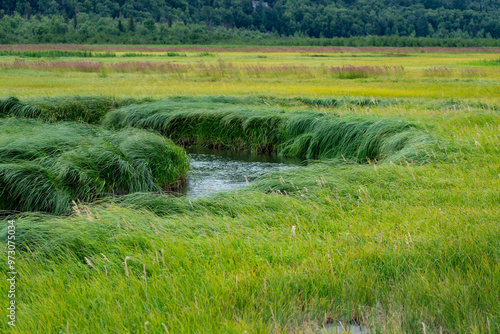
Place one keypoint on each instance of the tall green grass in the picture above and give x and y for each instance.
(379, 246)
(306, 134)
(399, 248)
(87, 109)
(45, 167)
(92, 109)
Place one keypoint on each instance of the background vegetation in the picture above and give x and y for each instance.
(156, 72)
(400, 23)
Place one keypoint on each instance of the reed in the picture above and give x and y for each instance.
(437, 72)
(220, 69)
(354, 72)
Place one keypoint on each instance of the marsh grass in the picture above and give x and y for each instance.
(86, 109)
(45, 167)
(392, 246)
(437, 72)
(219, 69)
(283, 73)
(206, 54)
(492, 62)
(306, 134)
(354, 72)
(408, 246)
(374, 246)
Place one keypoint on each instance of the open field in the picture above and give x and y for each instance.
(397, 73)
(394, 225)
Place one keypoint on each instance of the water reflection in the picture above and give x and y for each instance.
(215, 170)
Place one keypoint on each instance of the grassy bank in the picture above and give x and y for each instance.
(305, 134)
(250, 124)
(46, 167)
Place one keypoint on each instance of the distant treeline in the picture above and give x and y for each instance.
(306, 22)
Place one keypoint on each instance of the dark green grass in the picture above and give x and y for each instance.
(44, 167)
(86, 109)
(91, 109)
(306, 134)
(61, 164)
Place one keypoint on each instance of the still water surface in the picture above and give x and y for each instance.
(215, 170)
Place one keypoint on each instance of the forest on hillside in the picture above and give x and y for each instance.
(395, 22)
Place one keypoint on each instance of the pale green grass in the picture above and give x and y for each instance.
(25, 85)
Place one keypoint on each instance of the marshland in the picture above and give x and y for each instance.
(388, 220)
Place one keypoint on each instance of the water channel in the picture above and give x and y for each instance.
(216, 170)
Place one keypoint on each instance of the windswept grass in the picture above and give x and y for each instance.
(86, 109)
(306, 134)
(382, 246)
(394, 247)
(46, 167)
(410, 246)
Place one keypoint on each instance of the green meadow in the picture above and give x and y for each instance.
(271, 72)
(392, 226)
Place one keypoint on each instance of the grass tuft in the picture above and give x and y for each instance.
(44, 167)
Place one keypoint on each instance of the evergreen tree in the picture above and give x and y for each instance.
(121, 28)
(75, 18)
(131, 24)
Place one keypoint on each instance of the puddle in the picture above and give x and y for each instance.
(215, 170)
